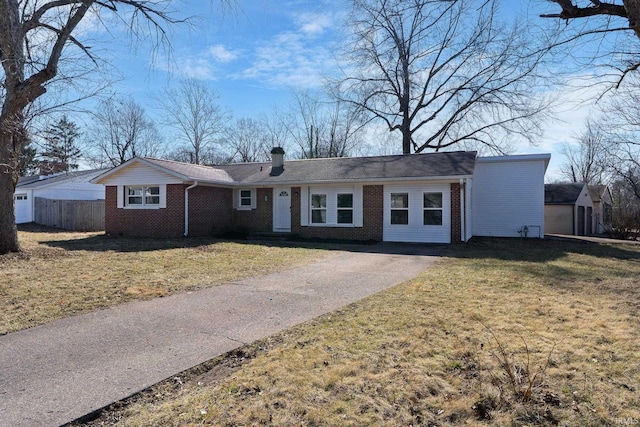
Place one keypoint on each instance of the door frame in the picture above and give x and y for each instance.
(276, 212)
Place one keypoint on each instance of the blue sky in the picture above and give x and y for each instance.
(254, 54)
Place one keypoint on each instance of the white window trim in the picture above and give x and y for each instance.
(441, 209)
(122, 197)
(352, 208)
(21, 197)
(325, 209)
(332, 206)
(237, 199)
(391, 209)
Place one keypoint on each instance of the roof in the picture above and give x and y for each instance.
(431, 165)
(192, 172)
(596, 191)
(562, 194)
(24, 180)
(337, 169)
(28, 183)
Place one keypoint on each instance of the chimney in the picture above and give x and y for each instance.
(277, 161)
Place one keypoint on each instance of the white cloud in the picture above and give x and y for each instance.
(300, 57)
(314, 23)
(221, 54)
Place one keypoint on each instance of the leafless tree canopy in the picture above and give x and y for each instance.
(122, 131)
(193, 112)
(35, 35)
(622, 16)
(248, 140)
(586, 159)
(321, 126)
(441, 72)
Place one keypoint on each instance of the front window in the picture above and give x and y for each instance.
(21, 197)
(432, 204)
(143, 196)
(245, 198)
(345, 208)
(400, 208)
(319, 208)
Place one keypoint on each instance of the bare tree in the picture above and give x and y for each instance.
(34, 37)
(122, 131)
(323, 127)
(441, 72)
(248, 140)
(629, 9)
(586, 159)
(193, 112)
(616, 19)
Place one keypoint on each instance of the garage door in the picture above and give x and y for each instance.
(22, 209)
(417, 213)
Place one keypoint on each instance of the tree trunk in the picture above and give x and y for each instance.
(406, 141)
(8, 231)
(633, 12)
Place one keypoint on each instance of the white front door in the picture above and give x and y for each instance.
(282, 209)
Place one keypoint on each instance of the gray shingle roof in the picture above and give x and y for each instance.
(562, 194)
(84, 176)
(431, 165)
(596, 191)
(191, 171)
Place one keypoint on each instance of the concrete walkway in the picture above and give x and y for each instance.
(58, 372)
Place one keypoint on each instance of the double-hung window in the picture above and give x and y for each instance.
(318, 208)
(400, 208)
(143, 196)
(432, 205)
(245, 198)
(345, 208)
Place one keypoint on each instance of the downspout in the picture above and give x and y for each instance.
(186, 207)
(463, 219)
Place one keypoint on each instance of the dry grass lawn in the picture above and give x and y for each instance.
(500, 332)
(60, 273)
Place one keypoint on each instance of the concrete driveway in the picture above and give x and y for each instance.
(58, 372)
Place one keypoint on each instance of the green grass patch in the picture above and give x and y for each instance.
(498, 332)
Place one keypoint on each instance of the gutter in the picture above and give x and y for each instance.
(186, 207)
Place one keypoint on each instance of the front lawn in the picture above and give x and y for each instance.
(499, 332)
(60, 273)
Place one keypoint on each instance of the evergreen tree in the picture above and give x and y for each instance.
(60, 149)
(27, 163)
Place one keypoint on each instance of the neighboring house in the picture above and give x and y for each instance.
(602, 208)
(73, 185)
(568, 209)
(436, 197)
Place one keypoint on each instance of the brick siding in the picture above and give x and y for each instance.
(210, 211)
(209, 214)
(456, 220)
(259, 219)
(373, 199)
(167, 222)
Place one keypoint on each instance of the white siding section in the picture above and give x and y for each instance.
(468, 213)
(139, 174)
(23, 208)
(415, 231)
(507, 195)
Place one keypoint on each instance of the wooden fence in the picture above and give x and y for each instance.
(77, 215)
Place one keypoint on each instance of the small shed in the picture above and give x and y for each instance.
(602, 208)
(568, 209)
